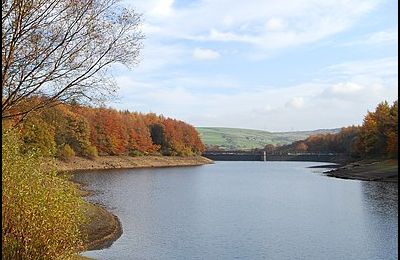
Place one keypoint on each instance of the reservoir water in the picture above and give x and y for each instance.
(246, 210)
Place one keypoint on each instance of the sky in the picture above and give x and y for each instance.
(263, 64)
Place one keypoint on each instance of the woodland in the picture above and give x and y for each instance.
(377, 137)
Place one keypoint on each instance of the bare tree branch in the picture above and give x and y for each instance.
(62, 49)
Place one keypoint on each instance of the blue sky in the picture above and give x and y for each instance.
(263, 64)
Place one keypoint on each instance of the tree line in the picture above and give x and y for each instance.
(376, 137)
(66, 130)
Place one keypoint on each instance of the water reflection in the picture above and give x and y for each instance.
(380, 204)
(380, 197)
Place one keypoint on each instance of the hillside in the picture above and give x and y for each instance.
(236, 138)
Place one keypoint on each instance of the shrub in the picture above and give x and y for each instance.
(41, 211)
(91, 152)
(65, 152)
(135, 153)
(39, 136)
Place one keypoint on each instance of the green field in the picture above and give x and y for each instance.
(236, 138)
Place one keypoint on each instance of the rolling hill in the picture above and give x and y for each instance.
(245, 139)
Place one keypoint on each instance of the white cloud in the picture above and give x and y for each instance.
(377, 38)
(163, 7)
(156, 9)
(263, 23)
(390, 36)
(345, 88)
(205, 54)
(275, 24)
(295, 102)
(227, 20)
(379, 68)
(156, 56)
(362, 81)
(298, 107)
(261, 28)
(263, 109)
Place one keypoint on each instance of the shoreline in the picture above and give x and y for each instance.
(367, 170)
(103, 227)
(128, 162)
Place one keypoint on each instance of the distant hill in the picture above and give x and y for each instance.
(236, 138)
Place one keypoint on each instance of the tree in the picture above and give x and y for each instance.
(392, 131)
(372, 135)
(41, 211)
(62, 50)
(301, 147)
(157, 133)
(270, 148)
(382, 115)
(39, 136)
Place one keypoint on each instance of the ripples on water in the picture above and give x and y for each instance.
(246, 210)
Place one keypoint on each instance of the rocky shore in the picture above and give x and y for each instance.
(129, 162)
(102, 229)
(368, 170)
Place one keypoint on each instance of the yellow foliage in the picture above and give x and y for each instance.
(65, 152)
(41, 211)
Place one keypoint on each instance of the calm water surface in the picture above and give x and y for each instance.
(246, 210)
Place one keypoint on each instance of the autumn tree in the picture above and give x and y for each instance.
(269, 148)
(157, 133)
(301, 147)
(376, 137)
(380, 130)
(39, 136)
(392, 132)
(90, 132)
(62, 50)
(139, 140)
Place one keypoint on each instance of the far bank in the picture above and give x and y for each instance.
(129, 162)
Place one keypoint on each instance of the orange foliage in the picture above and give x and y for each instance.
(115, 132)
(376, 137)
(105, 131)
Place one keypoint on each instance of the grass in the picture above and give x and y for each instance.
(236, 138)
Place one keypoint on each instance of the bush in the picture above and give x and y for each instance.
(65, 152)
(135, 153)
(91, 152)
(41, 211)
(39, 136)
